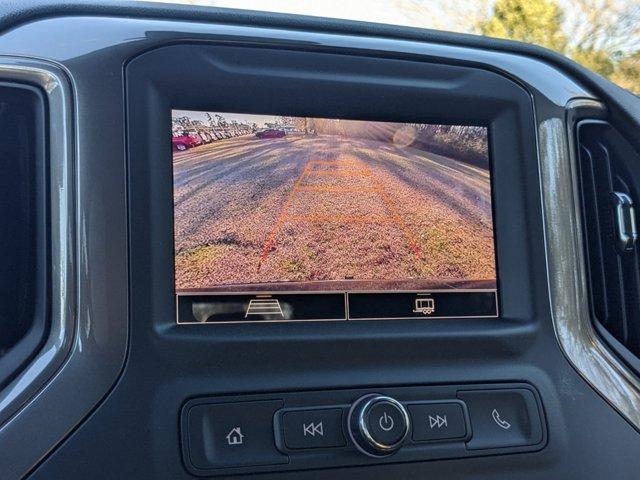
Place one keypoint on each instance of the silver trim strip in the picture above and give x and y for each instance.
(23, 403)
(55, 88)
(567, 272)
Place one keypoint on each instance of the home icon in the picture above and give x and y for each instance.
(235, 436)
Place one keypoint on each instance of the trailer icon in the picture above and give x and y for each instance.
(426, 306)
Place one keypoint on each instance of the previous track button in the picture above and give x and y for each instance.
(313, 428)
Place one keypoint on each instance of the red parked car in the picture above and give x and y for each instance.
(271, 133)
(183, 142)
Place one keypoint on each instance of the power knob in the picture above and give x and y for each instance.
(377, 425)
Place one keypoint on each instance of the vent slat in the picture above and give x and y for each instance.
(614, 274)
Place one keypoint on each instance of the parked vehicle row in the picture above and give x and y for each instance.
(199, 134)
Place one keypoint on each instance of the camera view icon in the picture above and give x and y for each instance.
(264, 305)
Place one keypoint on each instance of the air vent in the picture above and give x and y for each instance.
(22, 213)
(610, 173)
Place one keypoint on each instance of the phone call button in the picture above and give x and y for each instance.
(503, 418)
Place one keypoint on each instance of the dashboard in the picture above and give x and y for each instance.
(287, 247)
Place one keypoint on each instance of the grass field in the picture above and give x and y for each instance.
(300, 211)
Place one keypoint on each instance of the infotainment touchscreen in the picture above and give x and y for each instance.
(282, 218)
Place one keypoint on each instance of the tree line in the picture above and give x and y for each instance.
(602, 35)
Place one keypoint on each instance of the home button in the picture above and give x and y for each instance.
(232, 435)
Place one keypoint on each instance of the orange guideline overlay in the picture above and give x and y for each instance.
(347, 169)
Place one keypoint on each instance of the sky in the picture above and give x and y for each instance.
(439, 14)
(450, 15)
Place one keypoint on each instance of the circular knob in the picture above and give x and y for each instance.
(377, 425)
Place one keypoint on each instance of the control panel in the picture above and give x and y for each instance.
(303, 430)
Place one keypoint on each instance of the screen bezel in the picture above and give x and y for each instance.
(459, 95)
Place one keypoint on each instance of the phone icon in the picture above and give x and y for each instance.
(501, 423)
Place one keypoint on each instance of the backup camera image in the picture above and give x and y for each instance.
(275, 203)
